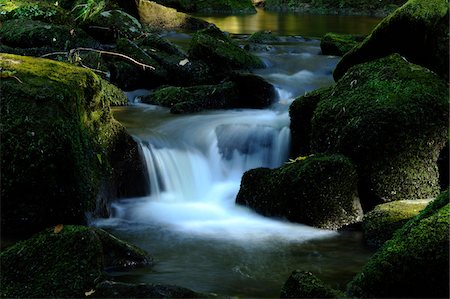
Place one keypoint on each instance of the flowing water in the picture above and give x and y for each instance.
(190, 224)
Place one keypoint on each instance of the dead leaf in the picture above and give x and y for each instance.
(87, 294)
(183, 62)
(58, 228)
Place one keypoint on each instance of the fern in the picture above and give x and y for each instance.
(88, 9)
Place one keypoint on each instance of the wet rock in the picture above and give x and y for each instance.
(339, 44)
(414, 264)
(65, 263)
(319, 191)
(263, 37)
(302, 284)
(418, 31)
(390, 117)
(380, 224)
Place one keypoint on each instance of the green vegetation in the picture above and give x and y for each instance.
(380, 224)
(418, 31)
(319, 191)
(64, 263)
(56, 123)
(302, 284)
(414, 263)
(341, 7)
(263, 37)
(390, 117)
(87, 9)
(338, 44)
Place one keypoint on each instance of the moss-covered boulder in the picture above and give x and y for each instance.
(414, 264)
(64, 263)
(418, 31)
(390, 117)
(211, 6)
(239, 91)
(303, 284)
(159, 17)
(108, 25)
(380, 224)
(110, 289)
(62, 150)
(22, 33)
(319, 191)
(220, 52)
(338, 44)
(263, 37)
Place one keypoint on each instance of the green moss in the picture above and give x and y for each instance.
(263, 37)
(391, 118)
(35, 10)
(64, 264)
(418, 30)
(415, 262)
(380, 224)
(318, 191)
(338, 44)
(220, 52)
(55, 122)
(302, 284)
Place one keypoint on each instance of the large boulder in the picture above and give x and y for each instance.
(211, 6)
(319, 191)
(159, 17)
(238, 91)
(303, 284)
(380, 224)
(418, 31)
(110, 289)
(62, 153)
(414, 264)
(67, 261)
(220, 52)
(390, 117)
(338, 44)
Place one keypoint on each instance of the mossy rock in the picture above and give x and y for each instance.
(159, 17)
(319, 191)
(211, 6)
(108, 25)
(418, 31)
(339, 44)
(263, 37)
(157, 42)
(239, 91)
(380, 224)
(110, 289)
(34, 10)
(390, 117)
(22, 33)
(220, 52)
(60, 144)
(414, 264)
(303, 284)
(64, 264)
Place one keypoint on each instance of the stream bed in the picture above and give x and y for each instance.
(189, 223)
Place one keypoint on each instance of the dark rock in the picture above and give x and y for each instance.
(64, 264)
(319, 191)
(414, 264)
(302, 284)
(390, 117)
(339, 44)
(418, 31)
(109, 289)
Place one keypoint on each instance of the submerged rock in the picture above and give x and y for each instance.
(220, 52)
(319, 191)
(238, 91)
(62, 151)
(380, 224)
(339, 44)
(414, 264)
(302, 284)
(67, 261)
(110, 289)
(390, 117)
(418, 31)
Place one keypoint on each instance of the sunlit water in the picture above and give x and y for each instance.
(289, 23)
(190, 224)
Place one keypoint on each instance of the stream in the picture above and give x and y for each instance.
(189, 223)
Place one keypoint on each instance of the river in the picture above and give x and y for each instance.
(190, 224)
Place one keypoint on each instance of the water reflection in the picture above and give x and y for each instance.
(285, 23)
